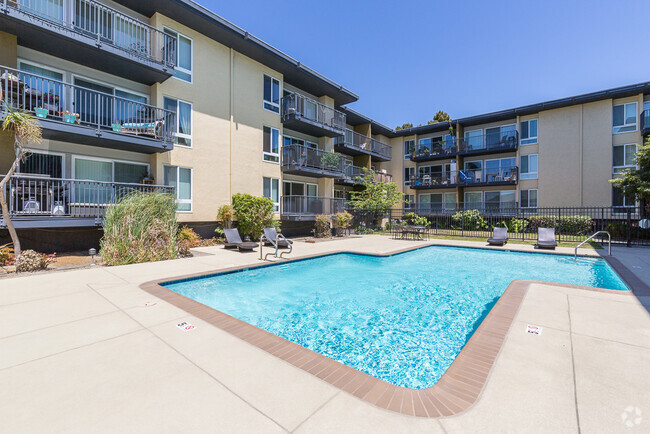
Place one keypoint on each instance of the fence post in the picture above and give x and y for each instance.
(629, 227)
(559, 225)
(462, 225)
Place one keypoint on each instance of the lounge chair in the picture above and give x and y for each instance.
(546, 238)
(278, 240)
(499, 237)
(233, 239)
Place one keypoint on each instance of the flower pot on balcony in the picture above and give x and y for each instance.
(117, 128)
(69, 118)
(42, 113)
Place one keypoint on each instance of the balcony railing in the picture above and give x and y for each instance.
(303, 159)
(645, 122)
(57, 101)
(42, 196)
(487, 143)
(383, 177)
(354, 175)
(311, 205)
(103, 23)
(364, 144)
(300, 109)
(467, 178)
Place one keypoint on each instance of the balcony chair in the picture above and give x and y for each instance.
(233, 239)
(499, 237)
(546, 238)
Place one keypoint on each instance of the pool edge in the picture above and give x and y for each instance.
(457, 390)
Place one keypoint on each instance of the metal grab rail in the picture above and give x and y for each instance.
(276, 245)
(591, 237)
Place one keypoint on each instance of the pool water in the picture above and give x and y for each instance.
(402, 318)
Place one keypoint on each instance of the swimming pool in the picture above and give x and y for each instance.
(402, 318)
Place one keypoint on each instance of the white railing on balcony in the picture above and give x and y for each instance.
(62, 102)
(364, 143)
(103, 23)
(312, 110)
(42, 196)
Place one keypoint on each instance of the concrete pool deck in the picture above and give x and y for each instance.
(89, 350)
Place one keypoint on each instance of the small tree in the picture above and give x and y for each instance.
(377, 197)
(441, 116)
(26, 131)
(404, 126)
(253, 214)
(636, 182)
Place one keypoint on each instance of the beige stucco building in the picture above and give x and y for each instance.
(166, 94)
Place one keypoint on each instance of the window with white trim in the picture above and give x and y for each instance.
(183, 111)
(181, 179)
(183, 56)
(624, 118)
(409, 148)
(620, 200)
(528, 198)
(409, 172)
(271, 145)
(409, 201)
(624, 158)
(271, 94)
(528, 132)
(529, 166)
(271, 189)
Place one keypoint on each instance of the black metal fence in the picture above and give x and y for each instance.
(628, 225)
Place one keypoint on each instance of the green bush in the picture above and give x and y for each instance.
(187, 239)
(253, 214)
(413, 219)
(571, 225)
(330, 160)
(30, 260)
(342, 220)
(469, 220)
(515, 226)
(323, 228)
(140, 227)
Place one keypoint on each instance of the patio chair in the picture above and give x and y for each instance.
(546, 238)
(233, 239)
(278, 240)
(499, 237)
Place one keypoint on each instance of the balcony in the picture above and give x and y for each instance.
(308, 116)
(38, 201)
(491, 143)
(353, 143)
(466, 178)
(76, 114)
(354, 175)
(304, 208)
(645, 122)
(92, 34)
(306, 161)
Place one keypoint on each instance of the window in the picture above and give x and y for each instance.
(271, 146)
(450, 201)
(474, 139)
(290, 188)
(528, 198)
(271, 94)
(409, 201)
(430, 202)
(624, 157)
(528, 132)
(182, 57)
(181, 179)
(473, 199)
(624, 118)
(271, 189)
(499, 169)
(51, 90)
(500, 200)
(473, 171)
(529, 166)
(42, 164)
(497, 137)
(96, 169)
(409, 172)
(621, 200)
(183, 111)
(409, 148)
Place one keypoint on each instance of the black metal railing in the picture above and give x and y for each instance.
(43, 196)
(311, 205)
(364, 144)
(490, 142)
(355, 174)
(103, 23)
(296, 105)
(58, 101)
(627, 225)
(300, 157)
(436, 148)
(496, 176)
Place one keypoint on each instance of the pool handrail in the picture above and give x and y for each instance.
(275, 244)
(592, 236)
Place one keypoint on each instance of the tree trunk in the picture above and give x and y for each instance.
(5, 209)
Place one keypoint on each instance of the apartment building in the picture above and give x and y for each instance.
(166, 95)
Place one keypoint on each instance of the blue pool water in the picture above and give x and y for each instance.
(402, 318)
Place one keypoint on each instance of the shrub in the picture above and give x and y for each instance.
(140, 227)
(253, 214)
(571, 225)
(323, 228)
(415, 220)
(342, 220)
(330, 160)
(187, 239)
(6, 255)
(469, 220)
(30, 260)
(515, 226)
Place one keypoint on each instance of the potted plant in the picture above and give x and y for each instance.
(41, 112)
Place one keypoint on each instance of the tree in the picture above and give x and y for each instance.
(636, 182)
(253, 214)
(405, 126)
(441, 116)
(26, 131)
(376, 196)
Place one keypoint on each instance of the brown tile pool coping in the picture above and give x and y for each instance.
(456, 391)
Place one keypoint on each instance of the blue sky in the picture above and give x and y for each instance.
(408, 59)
